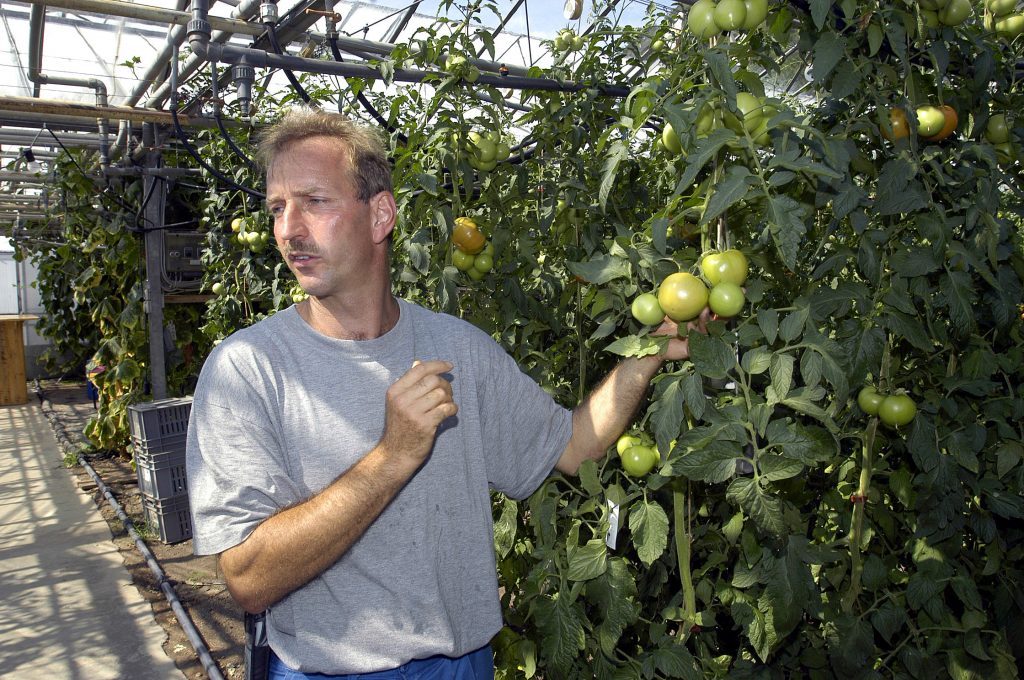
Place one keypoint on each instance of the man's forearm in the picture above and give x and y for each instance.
(608, 410)
(294, 546)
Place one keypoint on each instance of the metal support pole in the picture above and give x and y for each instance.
(154, 198)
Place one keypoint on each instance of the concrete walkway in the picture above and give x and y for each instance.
(68, 609)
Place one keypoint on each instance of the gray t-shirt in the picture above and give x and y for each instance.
(280, 411)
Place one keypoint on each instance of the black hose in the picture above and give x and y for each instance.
(180, 133)
(367, 104)
(272, 34)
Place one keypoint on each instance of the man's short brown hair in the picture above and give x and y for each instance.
(362, 146)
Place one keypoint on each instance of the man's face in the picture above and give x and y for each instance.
(325, 234)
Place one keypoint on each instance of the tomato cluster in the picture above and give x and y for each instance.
(895, 410)
(638, 457)
(567, 41)
(252, 237)
(486, 150)
(937, 13)
(997, 133)
(708, 18)
(1002, 18)
(726, 271)
(683, 296)
(753, 115)
(473, 254)
(458, 65)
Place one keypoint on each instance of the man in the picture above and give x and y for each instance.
(340, 452)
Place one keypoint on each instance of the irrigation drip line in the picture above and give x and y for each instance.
(194, 637)
(272, 34)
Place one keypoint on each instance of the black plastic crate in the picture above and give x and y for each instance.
(160, 425)
(170, 516)
(161, 475)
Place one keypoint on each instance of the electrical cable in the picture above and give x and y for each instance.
(220, 122)
(272, 34)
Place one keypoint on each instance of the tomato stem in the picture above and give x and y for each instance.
(682, 540)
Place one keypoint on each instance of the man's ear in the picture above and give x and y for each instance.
(384, 213)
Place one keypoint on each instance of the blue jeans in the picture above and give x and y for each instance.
(478, 665)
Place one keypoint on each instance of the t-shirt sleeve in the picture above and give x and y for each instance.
(524, 429)
(237, 474)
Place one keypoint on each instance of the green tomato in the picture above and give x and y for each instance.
(1000, 7)
(997, 131)
(683, 296)
(647, 310)
(626, 441)
(671, 140)
(462, 260)
(486, 150)
(700, 20)
(730, 14)
(217, 288)
(956, 12)
(897, 410)
(707, 120)
(236, 224)
(483, 262)
(475, 274)
(729, 266)
(869, 400)
(930, 120)
(1010, 26)
(637, 461)
(751, 110)
(757, 12)
(726, 300)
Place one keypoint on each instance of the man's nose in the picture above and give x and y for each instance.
(288, 224)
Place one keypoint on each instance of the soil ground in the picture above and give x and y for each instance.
(196, 580)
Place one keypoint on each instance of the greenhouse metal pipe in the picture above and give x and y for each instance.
(37, 22)
(148, 13)
(192, 64)
(199, 40)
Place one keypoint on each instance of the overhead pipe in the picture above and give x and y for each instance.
(199, 37)
(28, 177)
(147, 13)
(35, 61)
(248, 8)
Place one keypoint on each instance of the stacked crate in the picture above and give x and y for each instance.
(158, 431)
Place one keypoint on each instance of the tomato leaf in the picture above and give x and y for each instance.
(615, 595)
(819, 10)
(601, 269)
(786, 223)
(648, 525)
(768, 321)
(675, 661)
(958, 292)
(713, 463)
(828, 51)
(705, 150)
(763, 508)
(781, 371)
(668, 413)
(560, 624)
(889, 619)
(712, 357)
(505, 526)
(616, 154)
(637, 346)
(732, 189)
(587, 562)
